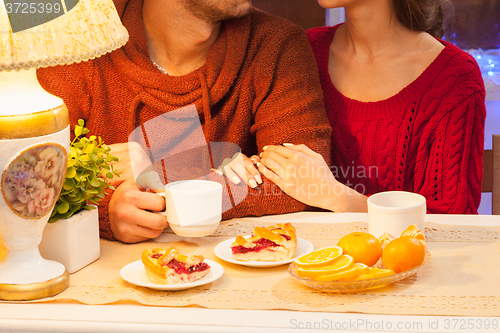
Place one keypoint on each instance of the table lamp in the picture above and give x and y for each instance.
(34, 127)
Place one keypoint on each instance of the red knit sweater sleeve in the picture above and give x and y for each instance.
(449, 168)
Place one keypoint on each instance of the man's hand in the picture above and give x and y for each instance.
(129, 215)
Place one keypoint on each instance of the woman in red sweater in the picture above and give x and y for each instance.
(407, 111)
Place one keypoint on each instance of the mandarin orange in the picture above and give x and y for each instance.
(362, 246)
(403, 253)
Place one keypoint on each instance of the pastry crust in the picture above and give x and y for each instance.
(168, 266)
(274, 243)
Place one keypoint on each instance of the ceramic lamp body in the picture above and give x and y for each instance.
(34, 145)
(21, 235)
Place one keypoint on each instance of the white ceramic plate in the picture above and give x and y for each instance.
(135, 273)
(223, 252)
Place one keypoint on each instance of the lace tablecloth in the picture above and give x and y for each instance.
(461, 278)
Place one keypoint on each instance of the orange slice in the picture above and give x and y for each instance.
(343, 262)
(385, 239)
(375, 273)
(415, 232)
(320, 257)
(348, 274)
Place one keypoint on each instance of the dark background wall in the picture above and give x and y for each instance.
(306, 13)
(476, 23)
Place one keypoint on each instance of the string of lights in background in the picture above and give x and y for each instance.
(489, 62)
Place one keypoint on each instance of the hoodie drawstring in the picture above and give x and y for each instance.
(132, 113)
(206, 113)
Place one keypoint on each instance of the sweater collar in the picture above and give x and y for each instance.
(355, 109)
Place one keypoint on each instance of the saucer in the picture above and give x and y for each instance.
(135, 273)
(223, 252)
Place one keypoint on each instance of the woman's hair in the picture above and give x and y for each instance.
(424, 15)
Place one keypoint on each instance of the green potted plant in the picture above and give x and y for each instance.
(72, 235)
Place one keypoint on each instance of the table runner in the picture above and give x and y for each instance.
(460, 279)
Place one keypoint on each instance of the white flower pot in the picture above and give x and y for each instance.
(74, 242)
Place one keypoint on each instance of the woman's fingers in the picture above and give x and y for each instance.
(240, 167)
(253, 175)
(255, 159)
(270, 175)
(230, 168)
(275, 162)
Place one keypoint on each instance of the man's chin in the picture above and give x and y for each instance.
(242, 11)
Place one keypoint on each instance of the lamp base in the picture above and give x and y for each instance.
(25, 275)
(26, 292)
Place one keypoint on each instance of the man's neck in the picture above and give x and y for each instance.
(177, 41)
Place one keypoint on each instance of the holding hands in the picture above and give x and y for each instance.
(304, 175)
(296, 169)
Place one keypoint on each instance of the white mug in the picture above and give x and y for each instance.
(394, 211)
(193, 207)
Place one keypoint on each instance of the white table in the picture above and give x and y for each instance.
(71, 317)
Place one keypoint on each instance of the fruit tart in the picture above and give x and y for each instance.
(274, 243)
(168, 266)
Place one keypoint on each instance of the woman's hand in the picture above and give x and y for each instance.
(304, 175)
(240, 167)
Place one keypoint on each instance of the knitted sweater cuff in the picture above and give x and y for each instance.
(104, 226)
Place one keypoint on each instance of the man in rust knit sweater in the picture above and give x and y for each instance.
(251, 76)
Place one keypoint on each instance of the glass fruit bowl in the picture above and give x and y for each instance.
(350, 286)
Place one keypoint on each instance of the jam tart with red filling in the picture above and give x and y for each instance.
(168, 266)
(274, 243)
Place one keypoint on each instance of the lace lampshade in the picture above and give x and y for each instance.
(34, 127)
(85, 30)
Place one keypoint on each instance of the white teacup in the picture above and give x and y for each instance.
(394, 211)
(193, 207)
